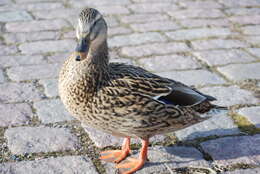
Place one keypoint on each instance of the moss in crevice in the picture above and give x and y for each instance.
(243, 124)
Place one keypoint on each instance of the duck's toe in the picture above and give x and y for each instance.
(113, 155)
(130, 165)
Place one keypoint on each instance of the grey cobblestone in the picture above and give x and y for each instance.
(2, 78)
(199, 77)
(35, 36)
(143, 18)
(200, 4)
(196, 13)
(255, 51)
(18, 92)
(217, 43)
(31, 26)
(102, 139)
(56, 14)
(245, 20)
(117, 30)
(51, 111)
(94, 3)
(7, 61)
(32, 72)
(155, 26)
(152, 49)
(251, 30)
(165, 63)
(39, 139)
(243, 11)
(164, 159)
(6, 50)
(50, 87)
(5, 2)
(15, 16)
(211, 127)
(15, 114)
(232, 95)
(53, 46)
(244, 171)
(240, 72)
(65, 165)
(58, 57)
(40, 6)
(232, 150)
(222, 57)
(152, 7)
(240, 3)
(198, 33)
(254, 40)
(113, 10)
(188, 23)
(135, 39)
(252, 114)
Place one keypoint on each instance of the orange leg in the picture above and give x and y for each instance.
(131, 165)
(116, 155)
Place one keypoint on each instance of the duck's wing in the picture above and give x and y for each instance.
(161, 89)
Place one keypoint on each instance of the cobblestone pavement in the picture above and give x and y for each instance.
(211, 44)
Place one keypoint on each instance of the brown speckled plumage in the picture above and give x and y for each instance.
(121, 99)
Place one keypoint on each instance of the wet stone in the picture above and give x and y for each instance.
(232, 95)
(222, 57)
(194, 77)
(164, 63)
(252, 114)
(164, 159)
(51, 111)
(102, 139)
(14, 16)
(14, 114)
(238, 72)
(40, 139)
(233, 150)
(50, 87)
(18, 92)
(65, 165)
(32, 72)
(212, 126)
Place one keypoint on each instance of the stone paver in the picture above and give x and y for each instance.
(65, 165)
(2, 78)
(198, 33)
(152, 49)
(254, 40)
(155, 26)
(251, 30)
(196, 13)
(50, 87)
(222, 57)
(51, 111)
(143, 18)
(217, 43)
(53, 46)
(135, 39)
(204, 22)
(232, 150)
(254, 51)
(244, 171)
(152, 7)
(14, 114)
(22, 73)
(210, 127)
(240, 3)
(15, 16)
(40, 6)
(6, 50)
(232, 95)
(243, 11)
(40, 139)
(8, 61)
(41, 25)
(27, 37)
(199, 77)
(239, 72)
(252, 114)
(163, 159)
(102, 139)
(18, 92)
(168, 62)
(245, 20)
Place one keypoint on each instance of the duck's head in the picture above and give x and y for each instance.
(91, 32)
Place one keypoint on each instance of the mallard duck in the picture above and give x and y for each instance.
(123, 100)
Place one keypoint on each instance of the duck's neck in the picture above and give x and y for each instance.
(98, 60)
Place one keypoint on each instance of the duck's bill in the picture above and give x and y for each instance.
(82, 49)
